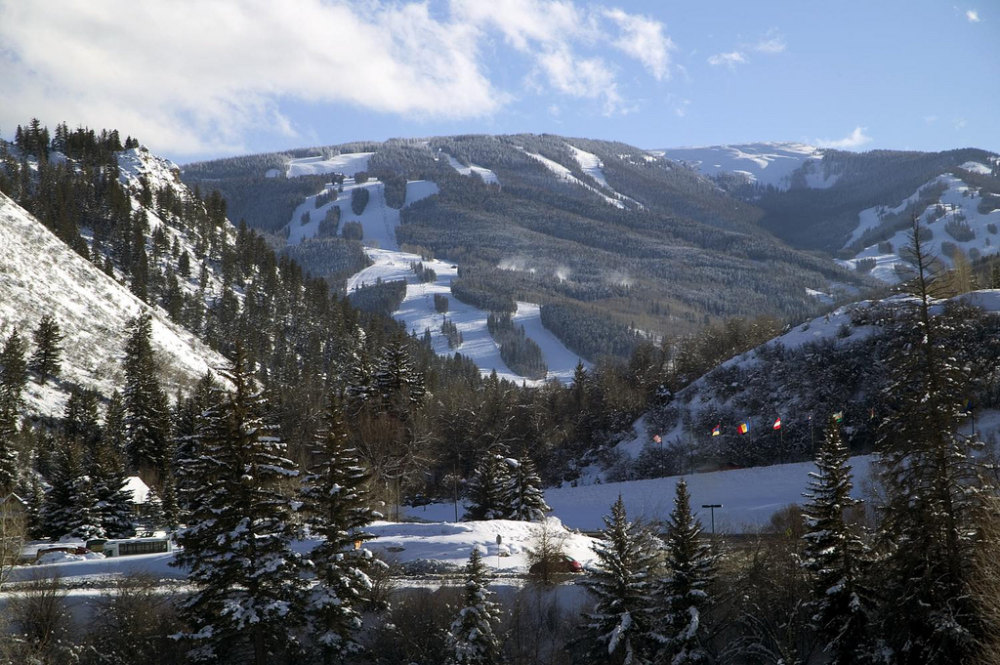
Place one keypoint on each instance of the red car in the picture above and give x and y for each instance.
(562, 564)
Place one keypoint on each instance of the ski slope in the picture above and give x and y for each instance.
(564, 174)
(959, 201)
(348, 164)
(488, 176)
(763, 163)
(417, 311)
(378, 219)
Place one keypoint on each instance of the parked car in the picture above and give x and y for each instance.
(560, 564)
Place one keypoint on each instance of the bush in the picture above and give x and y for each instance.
(440, 303)
(359, 200)
(353, 231)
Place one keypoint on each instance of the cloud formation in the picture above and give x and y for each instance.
(852, 141)
(972, 16)
(195, 78)
(729, 60)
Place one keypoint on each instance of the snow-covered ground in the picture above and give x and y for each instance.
(958, 201)
(591, 165)
(749, 497)
(348, 163)
(488, 176)
(417, 311)
(564, 174)
(40, 274)
(378, 219)
(764, 163)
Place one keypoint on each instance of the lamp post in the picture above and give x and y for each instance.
(712, 506)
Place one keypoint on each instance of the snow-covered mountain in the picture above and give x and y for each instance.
(40, 274)
(418, 312)
(958, 218)
(780, 165)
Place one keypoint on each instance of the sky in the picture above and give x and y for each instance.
(199, 79)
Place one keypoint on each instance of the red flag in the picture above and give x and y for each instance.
(777, 424)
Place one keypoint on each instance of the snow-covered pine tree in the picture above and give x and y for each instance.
(45, 361)
(931, 528)
(334, 503)
(237, 547)
(147, 421)
(621, 626)
(684, 591)
(472, 638)
(399, 385)
(13, 376)
(114, 504)
(526, 498)
(70, 505)
(488, 490)
(834, 557)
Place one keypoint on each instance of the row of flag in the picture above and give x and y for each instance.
(744, 427)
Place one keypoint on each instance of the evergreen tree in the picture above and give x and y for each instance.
(69, 507)
(334, 503)
(114, 503)
(489, 489)
(931, 531)
(526, 498)
(237, 547)
(46, 361)
(834, 556)
(684, 592)
(472, 638)
(13, 373)
(621, 626)
(146, 415)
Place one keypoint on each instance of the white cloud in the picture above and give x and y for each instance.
(198, 77)
(772, 43)
(854, 140)
(972, 16)
(642, 38)
(191, 78)
(729, 60)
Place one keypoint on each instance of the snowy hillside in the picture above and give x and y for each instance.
(348, 163)
(564, 174)
(39, 274)
(763, 163)
(488, 176)
(378, 219)
(950, 210)
(418, 312)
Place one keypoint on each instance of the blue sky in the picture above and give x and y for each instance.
(195, 80)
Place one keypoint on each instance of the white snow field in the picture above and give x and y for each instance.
(591, 165)
(564, 174)
(92, 310)
(749, 497)
(958, 201)
(488, 176)
(764, 163)
(348, 163)
(418, 313)
(378, 219)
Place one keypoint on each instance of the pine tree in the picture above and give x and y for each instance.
(684, 592)
(69, 507)
(114, 503)
(834, 556)
(146, 415)
(526, 498)
(13, 373)
(489, 489)
(334, 503)
(621, 626)
(472, 638)
(45, 361)
(237, 546)
(934, 491)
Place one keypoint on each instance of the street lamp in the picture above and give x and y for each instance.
(712, 506)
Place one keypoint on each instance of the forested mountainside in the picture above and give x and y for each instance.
(169, 289)
(821, 202)
(605, 237)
